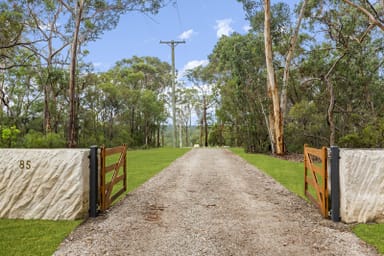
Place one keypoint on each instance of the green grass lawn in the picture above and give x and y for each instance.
(33, 237)
(41, 237)
(291, 175)
(372, 234)
(143, 164)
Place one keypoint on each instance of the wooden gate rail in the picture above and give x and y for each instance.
(316, 176)
(107, 195)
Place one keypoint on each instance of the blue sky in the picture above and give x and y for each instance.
(199, 22)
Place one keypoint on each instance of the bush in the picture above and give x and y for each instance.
(36, 139)
(9, 136)
(371, 136)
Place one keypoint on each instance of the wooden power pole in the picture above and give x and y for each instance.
(173, 44)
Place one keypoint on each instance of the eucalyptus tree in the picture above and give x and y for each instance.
(11, 33)
(50, 27)
(349, 64)
(83, 21)
(200, 77)
(276, 25)
(21, 96)
(238, 62)
(188, 100)
(373, 10)
(125, 104)
(87, 20)
(39, 35)
(138, 74)
(44, 24)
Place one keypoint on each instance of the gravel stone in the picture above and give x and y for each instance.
(212, 202)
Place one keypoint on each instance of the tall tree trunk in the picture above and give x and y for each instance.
(331, 107)
(272, 84)
(158, 135)
(186, 134)
(201, 130)
(180, 134)
(288, 59)
(47, 114)
(72, 129)
(205, 121)
(132, 121)
(162, 137)
(269, 128)
(332, 99)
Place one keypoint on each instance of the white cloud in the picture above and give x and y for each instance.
(195, 63)
(223, 27)
(97, 64)
(246, 28)
(187, 34)
(100, 66)
(191, 65)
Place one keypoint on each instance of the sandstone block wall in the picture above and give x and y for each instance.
(44, 183)
(361, 185)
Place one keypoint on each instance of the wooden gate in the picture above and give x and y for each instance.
(315, 177)
(113, 172)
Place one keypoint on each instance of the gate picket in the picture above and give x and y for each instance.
(316, 177)
(107, 195)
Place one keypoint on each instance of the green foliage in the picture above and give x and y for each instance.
(125, 104)
(305, 126)
(128, 103)
(352, 140)
(33, 237)
(11, 24)
(35, 139)
(238, 62)
(33, 91)
(370, 136)
(9, 135)
(217, 136)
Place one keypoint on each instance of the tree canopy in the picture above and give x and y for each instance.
(325, 58)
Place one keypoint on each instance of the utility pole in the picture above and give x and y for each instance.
(173, 44)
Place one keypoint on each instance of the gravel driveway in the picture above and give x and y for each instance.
(211, 202)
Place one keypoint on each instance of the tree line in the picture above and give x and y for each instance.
(312, 74)
(49, 97)
(309, 75)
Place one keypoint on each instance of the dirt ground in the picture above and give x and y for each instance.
(211, 202)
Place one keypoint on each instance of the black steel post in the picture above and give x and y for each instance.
(93, 182)
(335, 184)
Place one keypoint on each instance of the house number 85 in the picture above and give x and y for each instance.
(25, 164)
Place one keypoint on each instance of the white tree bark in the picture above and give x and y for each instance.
(272, 84)
(72, 75)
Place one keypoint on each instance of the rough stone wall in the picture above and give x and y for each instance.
(44, 183)
(361, 185)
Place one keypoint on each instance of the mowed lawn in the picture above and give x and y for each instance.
(291, 175)
(42, 237)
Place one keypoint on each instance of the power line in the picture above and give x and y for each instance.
(179, 16)
(173, 44)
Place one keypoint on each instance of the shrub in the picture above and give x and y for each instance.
(36, 139)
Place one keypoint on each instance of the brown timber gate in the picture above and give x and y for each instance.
(113, 172)
(315, 177)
